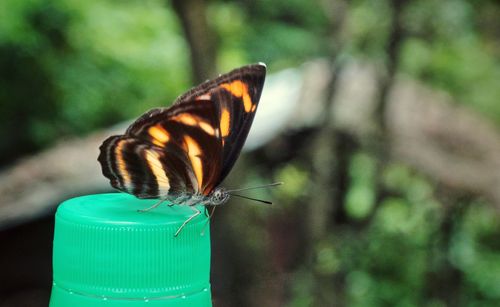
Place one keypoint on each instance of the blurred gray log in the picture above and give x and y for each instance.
(447, 142)
(35, 185)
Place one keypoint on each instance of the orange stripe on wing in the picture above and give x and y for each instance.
(122, 166)
(203, 97)
(225, 120)
(191, 120)
(159, 134)
(194, 154)
(207, 128)
(153, 159)
(186, 119)
(239, 89)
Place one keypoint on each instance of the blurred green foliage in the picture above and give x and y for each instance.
(70, 67)
(409, 247)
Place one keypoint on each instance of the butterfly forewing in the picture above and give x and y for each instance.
(237, 96)
(189, 147)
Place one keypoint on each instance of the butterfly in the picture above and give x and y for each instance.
(182, 153)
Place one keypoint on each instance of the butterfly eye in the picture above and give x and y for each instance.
(218, 197)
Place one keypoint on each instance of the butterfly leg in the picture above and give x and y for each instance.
(196, 213)
(208, 220)
(179, 199)
(153, 206)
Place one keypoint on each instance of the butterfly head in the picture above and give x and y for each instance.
(218, 197)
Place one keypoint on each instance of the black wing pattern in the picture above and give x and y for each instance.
(189, 147)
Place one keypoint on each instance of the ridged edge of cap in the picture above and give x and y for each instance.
(135, 258)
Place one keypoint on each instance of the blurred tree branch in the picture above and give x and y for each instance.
(380, 144)
(200, 37)
(328, 147)
(443, 278)
(331, 153)
(393, 49)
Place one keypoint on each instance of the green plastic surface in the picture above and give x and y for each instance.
(108, 254)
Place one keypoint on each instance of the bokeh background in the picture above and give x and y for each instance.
(381, 117)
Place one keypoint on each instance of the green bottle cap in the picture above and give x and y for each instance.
(106, 253)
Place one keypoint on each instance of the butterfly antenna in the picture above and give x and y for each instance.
(257, 187)
(254, 199)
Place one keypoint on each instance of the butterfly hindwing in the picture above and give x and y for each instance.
(134, 166)
(189, 147)
(190, 131)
